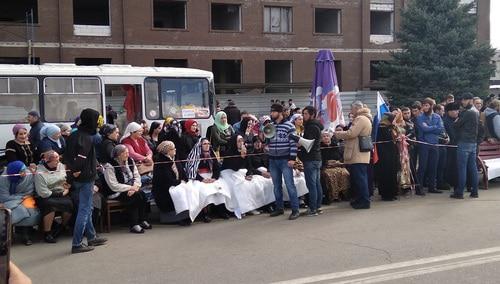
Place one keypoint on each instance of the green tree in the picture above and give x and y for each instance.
(440, 53)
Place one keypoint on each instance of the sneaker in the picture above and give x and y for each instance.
(98, 241)
(319, 211)
(312, 213)
(137, 229)
(81, 248)
(277, 212)
(48, 238)
(145, 225)
(474, 195)
(254, 212)
(435, 191)
(456, 196)
(294, 215)
(361, 206)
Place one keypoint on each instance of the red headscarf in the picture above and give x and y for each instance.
(188, 125)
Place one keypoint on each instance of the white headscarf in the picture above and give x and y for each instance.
(131, 127)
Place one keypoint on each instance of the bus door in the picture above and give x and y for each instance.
(123, 104)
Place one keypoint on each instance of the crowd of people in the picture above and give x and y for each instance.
(237, 168)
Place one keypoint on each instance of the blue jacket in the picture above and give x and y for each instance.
(281, 146)
(429, 128)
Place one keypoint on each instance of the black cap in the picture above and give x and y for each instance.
(277, 108)
(452, 106)
(467, 96)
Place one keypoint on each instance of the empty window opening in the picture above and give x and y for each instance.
(381, 23)
(18, 60)
(169, 14)
(91, 12)
(278, 19)
(92, 61)
(180, 63)
(18, 11)
(226, 17)
(226, 72)
(327, 21)
(278, 71)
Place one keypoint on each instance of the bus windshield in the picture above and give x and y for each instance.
(180, 98)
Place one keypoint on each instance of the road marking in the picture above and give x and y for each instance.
(398, 265)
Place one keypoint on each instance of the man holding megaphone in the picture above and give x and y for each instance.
(310, 155)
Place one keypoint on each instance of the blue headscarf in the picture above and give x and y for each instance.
(49, 130)
(13, 169)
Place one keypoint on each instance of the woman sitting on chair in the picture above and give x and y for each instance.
(123, 178)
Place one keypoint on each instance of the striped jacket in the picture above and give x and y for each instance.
(281, 146)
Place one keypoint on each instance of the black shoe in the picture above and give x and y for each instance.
(59, 231)
(434, 191)
(81, 248)
(444, 186)
(294, 215)
(456, 196)
(224, 216)
(145, 225)
(277, 212)
(49, 238)
(474, 195)
(137, 229)
(420, 193)
(98, 241)
(361, 206)
(27, 241)
(206, 219)
(184, 223)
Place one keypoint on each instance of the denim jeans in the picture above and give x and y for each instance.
(83, 223)
(359, 183)
(441, 169)
(466, 166)
(428, 157)
(312, 173)
(280, 170)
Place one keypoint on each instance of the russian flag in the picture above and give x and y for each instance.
(382, 108)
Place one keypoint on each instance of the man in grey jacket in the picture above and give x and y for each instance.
(466, 127)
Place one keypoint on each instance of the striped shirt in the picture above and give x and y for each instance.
(281, 146)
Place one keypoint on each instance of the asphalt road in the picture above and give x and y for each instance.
(431, 239)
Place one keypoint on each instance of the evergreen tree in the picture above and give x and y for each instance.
(440, 54)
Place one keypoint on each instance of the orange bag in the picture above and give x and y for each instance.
(29, 202)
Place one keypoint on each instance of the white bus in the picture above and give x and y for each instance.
(59, 92)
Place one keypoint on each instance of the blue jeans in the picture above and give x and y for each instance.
(466, 165)
(428, 157)
(441, 169)
(312, 170)
(83, 223)
(280, 170)
(359, 183)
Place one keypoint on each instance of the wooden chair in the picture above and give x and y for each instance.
(111, 206)
(488, 161)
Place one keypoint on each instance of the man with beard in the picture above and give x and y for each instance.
(80, 160)
(429, 128)
(451, 152)
(466, 127)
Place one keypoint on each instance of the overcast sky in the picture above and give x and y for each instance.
(495, 23)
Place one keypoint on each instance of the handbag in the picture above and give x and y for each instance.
(365, 143)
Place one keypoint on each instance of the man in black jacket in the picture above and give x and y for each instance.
(80, 159)
(312, 159)
(466, 127)
(232, 112)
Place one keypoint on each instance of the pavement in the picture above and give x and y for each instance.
(431, 239)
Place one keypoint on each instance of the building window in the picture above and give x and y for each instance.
(327, 21)
(278, 19)
(226, 17)
(473, 10)
(381, 23)
(91, 18)
(92, 61)
(180, 63)
(19, 11)
(169, 14)
(278, 71)
(226, 72)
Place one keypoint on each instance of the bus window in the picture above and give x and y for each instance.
(65, 98)
(151, 98)
(185, 98)
(18, 96)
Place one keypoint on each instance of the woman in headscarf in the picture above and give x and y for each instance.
(221, 133)
(136, 144)
(388, 165)
(123, 179)
(20, 149)
(65, 130)
(171, 131)
(166, 174)
(246, 131)
(334, 175)
(110, 134)
(188, 139)
(298, 121)
(248, 192)
(50, 139)
(154, 132)
(16, 193)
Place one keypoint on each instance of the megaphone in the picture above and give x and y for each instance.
(269, 131)
(306, 143)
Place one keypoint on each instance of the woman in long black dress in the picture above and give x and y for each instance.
(168, 173)
(388, 165)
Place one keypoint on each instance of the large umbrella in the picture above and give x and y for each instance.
(325, 94)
